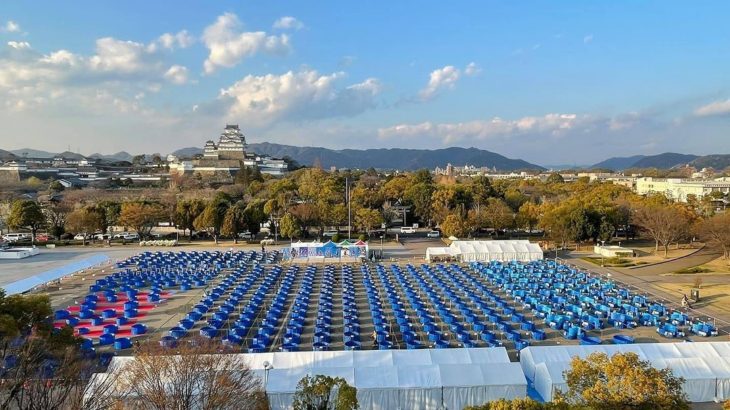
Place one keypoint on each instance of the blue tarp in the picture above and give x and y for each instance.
(27, 284)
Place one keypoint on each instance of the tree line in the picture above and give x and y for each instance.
(309, 201)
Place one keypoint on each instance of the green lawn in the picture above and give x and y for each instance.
(612, 262)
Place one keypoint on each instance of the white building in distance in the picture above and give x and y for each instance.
(679, 188)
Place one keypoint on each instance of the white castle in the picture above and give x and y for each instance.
(227, 156)
(231, 145)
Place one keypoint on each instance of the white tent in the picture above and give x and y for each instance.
(704, 366)
(393, 379)
(440, 253)
(401, 379)
(503, 250)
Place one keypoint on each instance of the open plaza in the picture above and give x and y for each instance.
(405, 332)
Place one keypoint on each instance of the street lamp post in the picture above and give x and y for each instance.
(267, 367)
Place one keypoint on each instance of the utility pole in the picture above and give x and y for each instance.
(349, 209)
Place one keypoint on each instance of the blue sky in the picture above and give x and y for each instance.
(551, 82)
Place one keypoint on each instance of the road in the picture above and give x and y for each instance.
(704, 255)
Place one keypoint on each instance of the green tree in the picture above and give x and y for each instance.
(21, 313)
(515, 198)
(235, 220)
(212, 217)
(109, 212)
(498, 215)
(255, 216)
(83, 220)
(419, 196)
(528, 215)
(482, 190)
(525, 403)
(186, 211)
(366, 219)
(325, 393)
(621, 381)
(555, 178)
(26, 214)
(275, 208)
(246, 175)
(454, 225)
(289, 226)
(56, 186)
(142, 216)
(566, 221)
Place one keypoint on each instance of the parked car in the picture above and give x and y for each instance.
(102, 236)
(14, 237)
(120, 235)
(130, 236)
(41, 237)
(246, 235)
(434, 234)
(407, 229)
(329, 234)
(80, 237)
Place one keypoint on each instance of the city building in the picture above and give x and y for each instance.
(224, 159)
(679, 188)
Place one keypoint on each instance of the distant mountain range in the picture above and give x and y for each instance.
(35, 153)
(119, 156)
(619, 163)
(410, 159)
(666, 160)
(393, 158)
(6, 155)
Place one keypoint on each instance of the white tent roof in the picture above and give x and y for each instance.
(395, 379)
(502, 250)
(704, 366)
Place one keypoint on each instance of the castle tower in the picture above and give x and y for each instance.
(232, 143)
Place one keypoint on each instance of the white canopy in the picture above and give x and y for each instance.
(502, 250)
(705, 366)
(393, 379)
(401, 379)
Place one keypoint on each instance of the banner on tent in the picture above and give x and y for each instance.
(329, 249)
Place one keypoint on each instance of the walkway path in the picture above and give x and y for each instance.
(704, 255)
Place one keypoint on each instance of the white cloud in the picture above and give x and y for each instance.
(177, 74)
(11, 27)
(441, 78)
(450, 133)
(114, 55)
(63, 81)
(228, 45)
(588, 38)
(180, 40)
(19, 45)
(715, 108)
(288, 23)
(292, 96)
(472, 69)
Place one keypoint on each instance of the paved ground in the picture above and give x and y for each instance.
(704, 255)
(48, 259)
(12, 270)
(649, 280)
